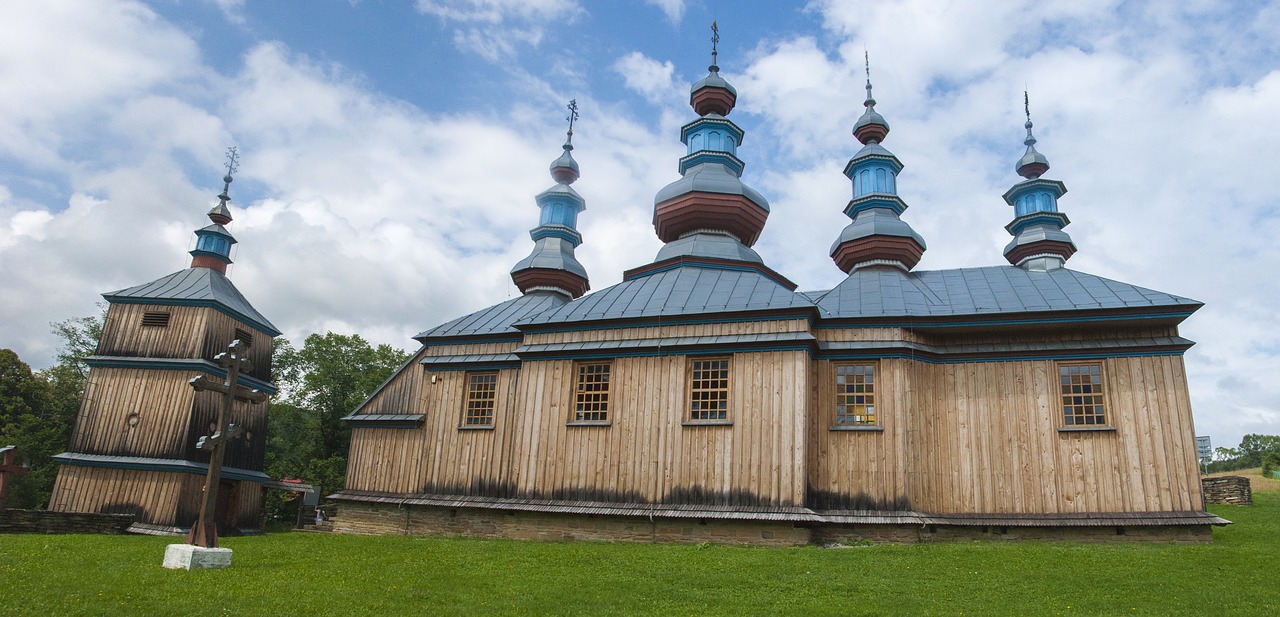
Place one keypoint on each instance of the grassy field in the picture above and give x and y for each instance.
(292, 573)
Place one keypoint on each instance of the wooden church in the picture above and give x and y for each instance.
(704, 398)
(133, 449)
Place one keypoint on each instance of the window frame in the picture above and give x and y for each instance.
(1067, 400)
(470, 400)
(723, 394)
(577, 413)
(838, 397)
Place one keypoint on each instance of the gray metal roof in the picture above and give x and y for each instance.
(552, 253)
(719, 245)
(880, 292)
(686, 290)
(198, 287)
(497, 319)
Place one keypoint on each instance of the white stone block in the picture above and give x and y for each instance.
(192, 557)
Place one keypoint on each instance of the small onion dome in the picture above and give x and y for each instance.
(220, 214)
(1032, 165)
(564, 170)
(871, 127)
(713, 95)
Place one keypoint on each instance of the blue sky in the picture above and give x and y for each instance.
(390, 151)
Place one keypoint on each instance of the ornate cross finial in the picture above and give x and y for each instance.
(1026, 108)
(866, 58)
(573, 115)
(715, 41)
(233, 160)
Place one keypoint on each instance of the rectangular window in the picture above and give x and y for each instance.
(591, 396)
(708, 389)
(482, 393)
(155, 319)
(856, 395)
(1082, 403)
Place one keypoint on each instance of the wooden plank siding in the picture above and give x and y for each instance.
(154, 497)
(644, 454)
(194, 332)
(983, 437)
(149, 413)
(970, 437)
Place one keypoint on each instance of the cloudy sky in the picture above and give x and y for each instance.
(390, 151)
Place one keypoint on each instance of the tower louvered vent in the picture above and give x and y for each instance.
(156, 319)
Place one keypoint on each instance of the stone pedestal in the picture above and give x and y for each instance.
(192, 557)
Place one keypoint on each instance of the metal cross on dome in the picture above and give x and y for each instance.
(205, 530)
(573, 115)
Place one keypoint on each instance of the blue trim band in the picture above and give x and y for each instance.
(178, 364)
(137, 463)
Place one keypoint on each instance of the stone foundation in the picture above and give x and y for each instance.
(378, 519)
(1234, 490)
(42, 521)
(363, 518)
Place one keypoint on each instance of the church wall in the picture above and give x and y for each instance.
(648, 454)
(984, 437)
(861, 469)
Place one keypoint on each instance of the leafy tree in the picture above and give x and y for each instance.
(1253, 452)
(38, 409)
(320, 384)
(28, 421)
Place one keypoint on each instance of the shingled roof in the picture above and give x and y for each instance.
(195, 287)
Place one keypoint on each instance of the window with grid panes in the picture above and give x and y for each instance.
(708, 389)
(856, 394)
(1081, 387)
(482, 392)
(591, 396)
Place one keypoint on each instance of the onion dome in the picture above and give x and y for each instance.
(1039, 243)
(877, 236)
(871, 127)
(710, 195)
(552, 266)
(213, 243)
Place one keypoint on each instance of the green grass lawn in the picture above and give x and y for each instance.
(291, 573)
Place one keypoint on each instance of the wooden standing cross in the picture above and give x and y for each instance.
(205, 530)
(8, 465)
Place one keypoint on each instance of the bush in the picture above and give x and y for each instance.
(1270, 463)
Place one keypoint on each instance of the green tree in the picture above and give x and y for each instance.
(319, 385)
(28, 421)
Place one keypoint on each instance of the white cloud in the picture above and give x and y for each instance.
(497, 29)
(233, 10)
(647, 77)
(673, 9)
(497, 11)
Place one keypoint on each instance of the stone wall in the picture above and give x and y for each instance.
(375, 519)
(390, 519)
(41, 521)
(1234, 490)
